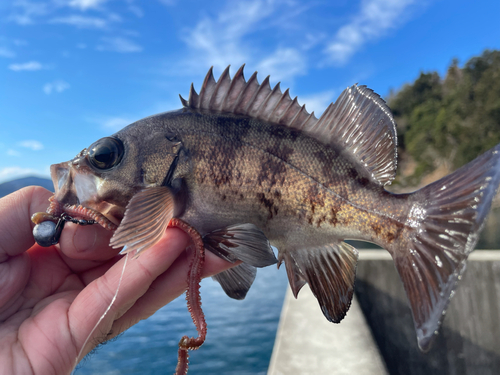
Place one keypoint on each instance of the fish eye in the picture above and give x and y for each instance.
(105, 153)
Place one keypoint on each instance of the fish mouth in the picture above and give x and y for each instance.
(79, 214)
(77, 198)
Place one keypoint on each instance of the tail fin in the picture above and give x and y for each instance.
(445, 220)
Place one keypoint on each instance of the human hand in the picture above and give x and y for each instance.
(51, 298)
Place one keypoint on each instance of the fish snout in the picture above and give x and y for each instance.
(63, 183)
(59, 174)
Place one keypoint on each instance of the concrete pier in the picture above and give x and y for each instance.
(306, 343)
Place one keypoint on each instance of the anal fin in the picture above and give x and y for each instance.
(330, 271)
(237, 281)
(296, 278)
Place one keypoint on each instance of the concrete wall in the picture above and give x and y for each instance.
(469, 338)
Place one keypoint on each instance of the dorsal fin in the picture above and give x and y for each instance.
(362, 124)
(359, 123)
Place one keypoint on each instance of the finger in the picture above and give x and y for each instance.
(86, 247)
(15, 238)
(166, 288)
(138, 276)
(86, 242)
(14, 275)
(16, 228)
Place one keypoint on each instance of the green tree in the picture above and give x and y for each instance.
(453, 119)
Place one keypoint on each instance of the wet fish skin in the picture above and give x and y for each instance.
(281, 182)
(243, 163)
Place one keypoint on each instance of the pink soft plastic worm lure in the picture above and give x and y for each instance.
(56, 210)
(48, 234)
(193, 297)
(79, 211)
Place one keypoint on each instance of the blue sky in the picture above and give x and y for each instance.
(73, 71)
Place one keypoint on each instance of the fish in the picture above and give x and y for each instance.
(242, 167)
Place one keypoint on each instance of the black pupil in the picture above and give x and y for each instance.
(106, 153)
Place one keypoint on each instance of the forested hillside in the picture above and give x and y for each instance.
(444, 122)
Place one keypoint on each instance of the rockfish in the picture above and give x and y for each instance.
(242, 166)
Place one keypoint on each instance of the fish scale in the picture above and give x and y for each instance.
(309, 180)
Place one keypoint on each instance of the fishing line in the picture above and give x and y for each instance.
(102, 316)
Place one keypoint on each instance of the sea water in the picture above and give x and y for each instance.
(240, 335)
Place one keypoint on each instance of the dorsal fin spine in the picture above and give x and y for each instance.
(244, 92)
(218, 97)
(207, 88)
(224, 87)
(184, 101)
(235, 82)
(268, 102)
(309, 118)
(275, 115)
(193, 97)
(253, 104)
(288, 109)
(275, 103)
(295, 118)
(323, 120)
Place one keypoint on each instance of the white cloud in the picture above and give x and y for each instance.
(56, 86)
(229, 39)
(12, 152)
(118, 44)
(30, 66)
(26, 11)
(285, 63)
(82, 22)
(5, 52)
(32, 145)
(374, 19)
(86, 4)
(11, 173)
(220, 42)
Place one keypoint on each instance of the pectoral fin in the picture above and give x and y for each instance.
(243, 242)
(146, 218)
(330, 271)
(237, 281)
